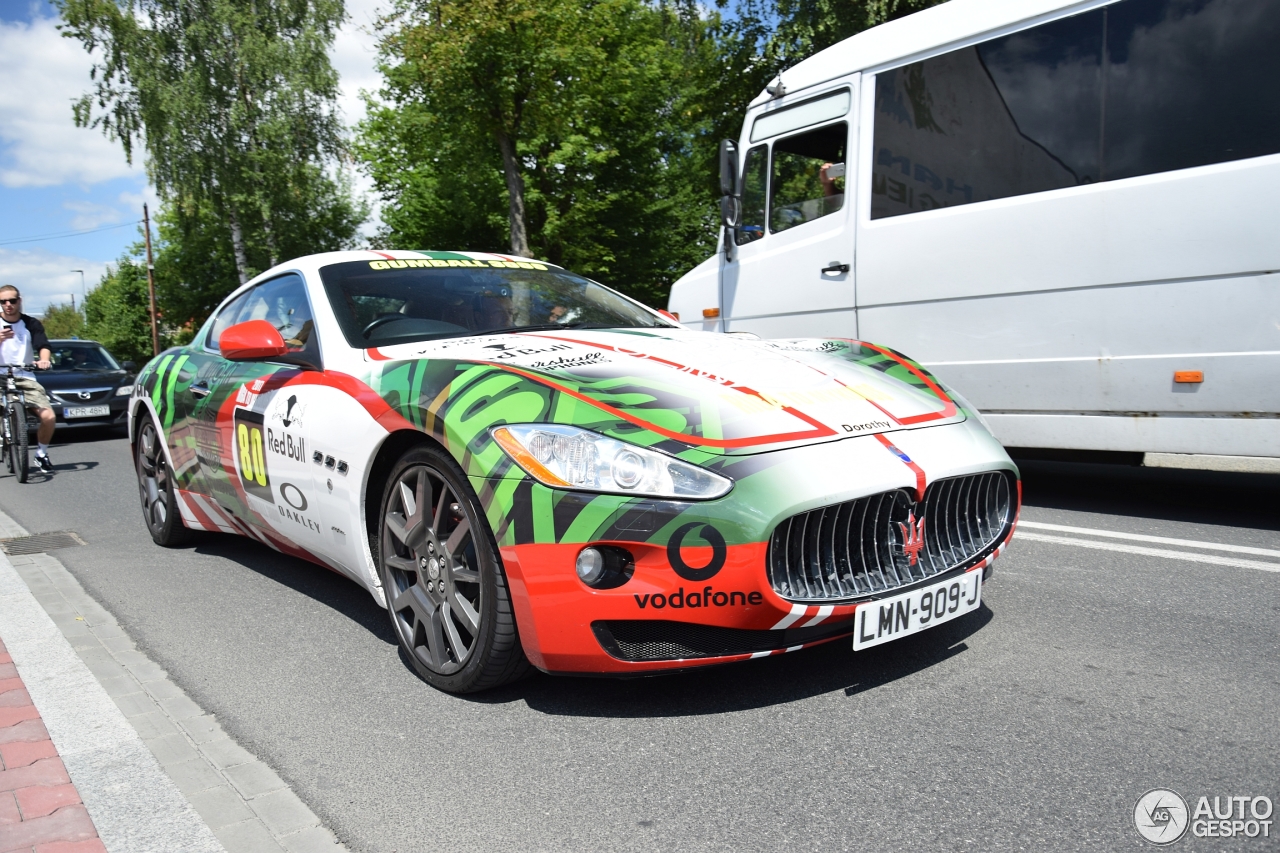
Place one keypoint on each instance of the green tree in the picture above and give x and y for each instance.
(561, 129)
(235, 105)
(63, 321)
(118, 313)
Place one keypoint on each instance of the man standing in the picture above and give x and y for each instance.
(20, 336)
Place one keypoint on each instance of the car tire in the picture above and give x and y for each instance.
(157, 489)
(446, 590)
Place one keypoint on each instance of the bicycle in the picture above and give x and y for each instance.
(14, 440)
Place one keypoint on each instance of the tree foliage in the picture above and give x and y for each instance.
(63, 321)
(118, 313)
(235, 104)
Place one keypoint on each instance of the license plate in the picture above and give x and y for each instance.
(85, 411)
(912, 612)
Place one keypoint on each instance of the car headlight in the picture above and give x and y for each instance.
(566, 457)
(124, 390)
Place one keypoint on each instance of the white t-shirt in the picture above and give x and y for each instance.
(17, 350)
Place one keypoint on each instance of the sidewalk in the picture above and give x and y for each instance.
(101, 751)
(40, 809)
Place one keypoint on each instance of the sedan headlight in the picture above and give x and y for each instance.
(566, 457)
(124, 390)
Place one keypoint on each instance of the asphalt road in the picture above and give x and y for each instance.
(1090, 676)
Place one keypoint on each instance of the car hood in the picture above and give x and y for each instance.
(721, 393)
(58, 380)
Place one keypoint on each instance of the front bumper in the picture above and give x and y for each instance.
(732, 613)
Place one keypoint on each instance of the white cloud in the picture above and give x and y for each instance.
(89, 215)
(45, 278)
(355, 50)
(41, 73)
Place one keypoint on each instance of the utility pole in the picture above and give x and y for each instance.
(84, 294)
(151, 282)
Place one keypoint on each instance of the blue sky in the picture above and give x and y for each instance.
(57, 178)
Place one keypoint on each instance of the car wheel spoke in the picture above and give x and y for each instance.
(403, 564)
(435, 640)
(453, 545)
(467, 615)
(456, 643)
(459, 573)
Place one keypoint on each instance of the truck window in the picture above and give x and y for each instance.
(754, 183)
(1134, 88)
(808, 176)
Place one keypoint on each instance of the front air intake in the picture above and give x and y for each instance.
(874, 545)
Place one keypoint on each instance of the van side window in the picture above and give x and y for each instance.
(808, 176)
(754, 177)
(1134, 88)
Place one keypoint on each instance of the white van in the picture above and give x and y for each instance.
(1068, 211)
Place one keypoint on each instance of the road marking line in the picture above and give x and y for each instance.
(1159, 540)
(1149, 552)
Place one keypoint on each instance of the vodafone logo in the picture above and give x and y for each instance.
(710, 536)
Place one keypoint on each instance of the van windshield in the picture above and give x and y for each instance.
(379, 303)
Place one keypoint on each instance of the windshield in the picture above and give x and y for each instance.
(82, 357)
(378, 303)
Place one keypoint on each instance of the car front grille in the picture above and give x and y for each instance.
(72, 397)
(864, 547)
(656, 639)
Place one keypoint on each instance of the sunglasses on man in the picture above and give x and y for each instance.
(14, 301)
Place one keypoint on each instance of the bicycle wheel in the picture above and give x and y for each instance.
(18, 446)
(7, 437)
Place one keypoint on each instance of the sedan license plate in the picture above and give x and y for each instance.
(912, 612)
(85, 411)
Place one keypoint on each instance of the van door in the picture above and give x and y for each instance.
(790, 272)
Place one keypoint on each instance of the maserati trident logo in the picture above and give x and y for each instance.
(912, 537)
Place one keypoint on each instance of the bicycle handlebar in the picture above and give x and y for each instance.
(31, 366)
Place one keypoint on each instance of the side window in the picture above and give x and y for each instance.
(226, 317)
(1134, 88)
(282, 302)
(808, 176)
(754, 182)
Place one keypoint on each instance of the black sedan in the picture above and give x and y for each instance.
(86, 385)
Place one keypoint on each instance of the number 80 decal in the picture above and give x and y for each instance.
(251, 460)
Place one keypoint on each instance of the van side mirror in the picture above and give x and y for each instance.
(728, 167)
(730, 210)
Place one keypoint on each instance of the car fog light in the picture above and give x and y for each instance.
(590, 566)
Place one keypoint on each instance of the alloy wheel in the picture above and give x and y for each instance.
(153, 477)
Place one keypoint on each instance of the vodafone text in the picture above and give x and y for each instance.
(707, 597)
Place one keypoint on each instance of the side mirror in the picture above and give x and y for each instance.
(130, 366)
(730, 210)
(252, 340)
(728, 167)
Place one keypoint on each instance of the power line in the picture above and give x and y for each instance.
(65, 234)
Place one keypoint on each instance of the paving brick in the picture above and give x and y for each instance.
(22, 753)
(224, 753)
(27, 730)
(148, 671)
(249, 836)
(40, 800)
(163, 689)
(220, 807)
(181, 708)
(202, 729)
(8, 670)
(134, 704)
(46, 771)
(172, 749)
(283, 812)
(254, 779)
(91, 845)
(12, 716)
(9, 809)
(7, 684)
(193, 776)
(154, 725)
(15, 697)
(69, 823)
(315, 839)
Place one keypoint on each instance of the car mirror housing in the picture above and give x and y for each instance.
(252, 340)
(130, 366)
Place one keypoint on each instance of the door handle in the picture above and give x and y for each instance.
(199, 389)
(835, 268)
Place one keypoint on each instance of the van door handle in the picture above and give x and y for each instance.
(199, 389)
(835, 268)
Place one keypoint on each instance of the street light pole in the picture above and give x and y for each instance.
(84, 294)
(151, 283)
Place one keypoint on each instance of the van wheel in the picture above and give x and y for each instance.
(446, 591)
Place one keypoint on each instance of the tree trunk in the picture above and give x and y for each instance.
(515, 194)
(237, 246)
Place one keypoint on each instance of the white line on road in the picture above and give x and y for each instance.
(1159, 540)
(1148, 552)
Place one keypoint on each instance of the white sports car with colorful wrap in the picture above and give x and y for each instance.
(529, 469)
